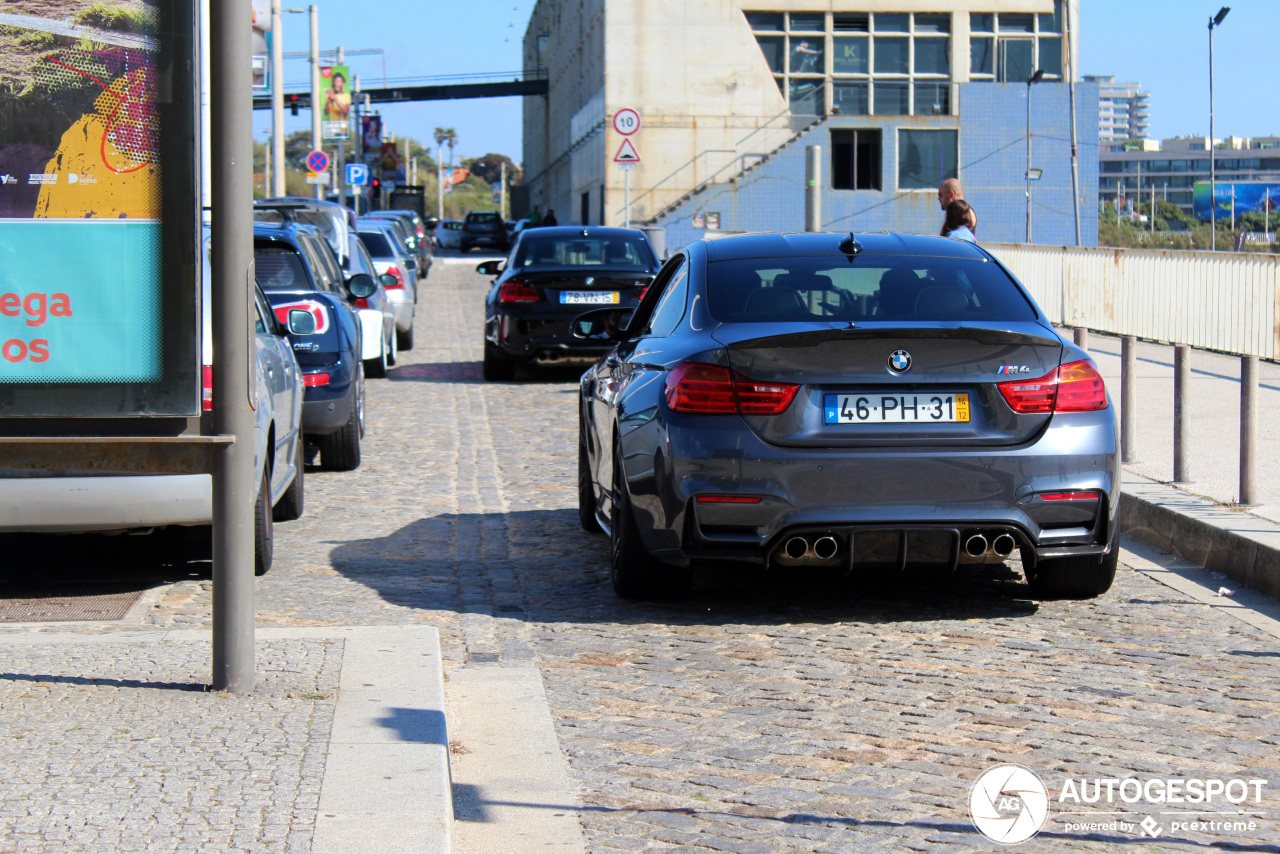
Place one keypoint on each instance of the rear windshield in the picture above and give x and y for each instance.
(483, 217)
(584, 252)
(902, 288)
(280, 268)
(377, 244)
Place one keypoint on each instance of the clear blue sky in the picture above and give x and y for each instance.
(1161, 44)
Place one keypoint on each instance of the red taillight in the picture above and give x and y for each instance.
(312, 380)
(643, 291)
(1069, 496)
(513, 291)
(1074, 387)
(399, 285)
(715, 390)
(1080, 388)
(361, 302)
(206, 389)
(729, 499)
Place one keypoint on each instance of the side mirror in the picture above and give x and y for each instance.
(490, 268)
(362, 285)
(410, 264)
(388, 280)
(602, 324)
(302, 322)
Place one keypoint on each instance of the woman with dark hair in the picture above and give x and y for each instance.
(956, 224)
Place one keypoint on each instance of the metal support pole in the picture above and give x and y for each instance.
(1082, 337)
(439, 181)
(1249, 430)
(357, 192)
(277, 101)
(316, 106)
(813, 188)
(626, 198)
(1213, 172)
(1028, 175)
(1128, 398)
(231, 118)
(1071, 92)
(1181, 417)
(502, 188)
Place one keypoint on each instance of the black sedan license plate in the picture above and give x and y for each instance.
(896, 408)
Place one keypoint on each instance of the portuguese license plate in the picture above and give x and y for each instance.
(589, 298)
(868, 408)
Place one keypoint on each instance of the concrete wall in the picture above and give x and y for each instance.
(992, 154)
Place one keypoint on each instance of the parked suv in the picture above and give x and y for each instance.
(295, 274)
(484, 228)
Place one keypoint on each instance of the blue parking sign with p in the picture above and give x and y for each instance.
(357, 174)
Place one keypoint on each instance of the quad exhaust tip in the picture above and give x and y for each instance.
(825, 548)
(796, 548)
(976, 546)
(1003, 545)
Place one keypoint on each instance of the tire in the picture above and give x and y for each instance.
(393, 348)
(292, 503)
(634, 572)
(1077, 577)
(404, 340)
(263, 530)
(377, 368)
(497, 367)
(340, 451)
(586, 489)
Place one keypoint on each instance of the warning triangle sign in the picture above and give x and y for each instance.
(626, 153)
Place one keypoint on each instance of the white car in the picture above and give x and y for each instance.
(449, 234)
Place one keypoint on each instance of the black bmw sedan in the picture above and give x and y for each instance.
(857, 404)
(550, 277)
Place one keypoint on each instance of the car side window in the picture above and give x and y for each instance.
(329, 259)
(318, 272)
(644, 311)
(670, 308)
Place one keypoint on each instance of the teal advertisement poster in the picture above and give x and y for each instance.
(98, 290)
(79, 301)
(1245, 197)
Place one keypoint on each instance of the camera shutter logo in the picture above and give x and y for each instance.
(1009, 804)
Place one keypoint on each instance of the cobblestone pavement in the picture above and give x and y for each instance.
(762, 713)
(98, 763)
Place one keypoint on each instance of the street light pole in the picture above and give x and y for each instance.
(316, 106)
(1215, 21)
(277, 102)
(1034, 78)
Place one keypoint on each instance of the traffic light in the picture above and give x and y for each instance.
(375, 189)
(293, 104)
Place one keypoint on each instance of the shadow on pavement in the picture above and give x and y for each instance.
(539, 565)
(83, 564)
(471, 373)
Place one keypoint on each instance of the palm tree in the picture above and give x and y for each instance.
(449, 137)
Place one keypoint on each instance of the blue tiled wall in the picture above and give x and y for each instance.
(992, 126)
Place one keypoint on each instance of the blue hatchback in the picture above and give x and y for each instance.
(296, 269)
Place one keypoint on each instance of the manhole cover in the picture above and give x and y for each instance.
(63, 609)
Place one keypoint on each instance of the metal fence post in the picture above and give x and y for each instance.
(1128, 397)
(1082, 337)
(1248, 430)
(1181, 417)
(813, 188)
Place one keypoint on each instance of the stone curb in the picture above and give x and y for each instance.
(1244, 547)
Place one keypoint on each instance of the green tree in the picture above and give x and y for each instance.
(489, 168)
(446, 136)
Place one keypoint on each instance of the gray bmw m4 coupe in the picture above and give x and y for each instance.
(868, 403)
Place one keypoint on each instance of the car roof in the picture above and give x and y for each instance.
(283, 230)
(770, 245)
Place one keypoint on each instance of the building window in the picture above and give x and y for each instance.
(1010, 46)
(855, 159)
(926, 158)
(881, 64)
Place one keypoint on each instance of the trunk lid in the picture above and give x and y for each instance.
(848, 368)
(569, 286)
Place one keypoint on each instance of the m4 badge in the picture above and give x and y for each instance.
(1013, 369)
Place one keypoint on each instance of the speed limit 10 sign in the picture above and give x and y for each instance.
(626, 121)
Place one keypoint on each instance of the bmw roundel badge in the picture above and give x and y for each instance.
(591, 280)
(899, 361)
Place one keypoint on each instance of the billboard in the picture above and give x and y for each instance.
(335, 94)
(1246, 197)
(261, 46)
(97, 245)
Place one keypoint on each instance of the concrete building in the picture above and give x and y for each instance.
(1124, 109)
(898, 93)
(1172, 167)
